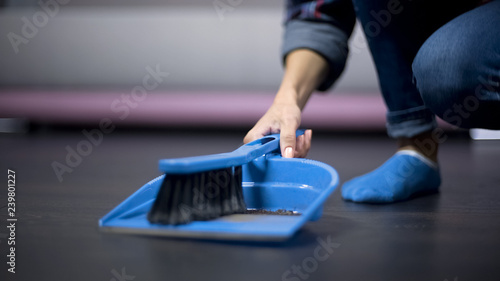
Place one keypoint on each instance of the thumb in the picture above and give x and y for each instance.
(288, 141)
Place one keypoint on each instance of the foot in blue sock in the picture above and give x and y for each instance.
(403, 175)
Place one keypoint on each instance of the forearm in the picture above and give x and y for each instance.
(304, 71)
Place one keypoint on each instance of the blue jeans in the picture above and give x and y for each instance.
(457, 70)
(435, 57)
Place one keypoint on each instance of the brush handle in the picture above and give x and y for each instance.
(240, 156)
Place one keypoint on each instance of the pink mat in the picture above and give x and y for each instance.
(226, 109)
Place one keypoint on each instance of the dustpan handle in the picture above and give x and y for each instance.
(240, 156)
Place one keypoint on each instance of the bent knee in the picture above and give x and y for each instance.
(452, 78)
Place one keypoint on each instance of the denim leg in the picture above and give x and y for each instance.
(395, 30)
(457, 70)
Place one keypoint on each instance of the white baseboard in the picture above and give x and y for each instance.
(483, 134)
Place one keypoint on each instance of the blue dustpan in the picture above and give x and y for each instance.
(270, 182)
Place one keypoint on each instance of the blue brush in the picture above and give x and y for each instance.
(206, 187)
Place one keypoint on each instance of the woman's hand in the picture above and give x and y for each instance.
(305, 70)
(284, 119)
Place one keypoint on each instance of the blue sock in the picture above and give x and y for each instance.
(403, 175)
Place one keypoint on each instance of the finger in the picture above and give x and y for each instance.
(304, 148)
(299, 149)
(288, 140)
(254, 133)
(303, 145)
(307, 142)
(250, 136)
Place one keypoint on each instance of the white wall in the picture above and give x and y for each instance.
(201, 49)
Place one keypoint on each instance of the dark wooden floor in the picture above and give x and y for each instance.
(454, 235)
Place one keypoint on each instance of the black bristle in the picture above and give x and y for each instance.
(233, 200)
(210, 212)
(225, 194)
(164, 199)
(199, 202)
(212, 187)
(186, 215)
(200, 196)
(175, 216)
(241, 207)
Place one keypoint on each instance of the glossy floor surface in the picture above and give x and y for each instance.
(453, 235)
